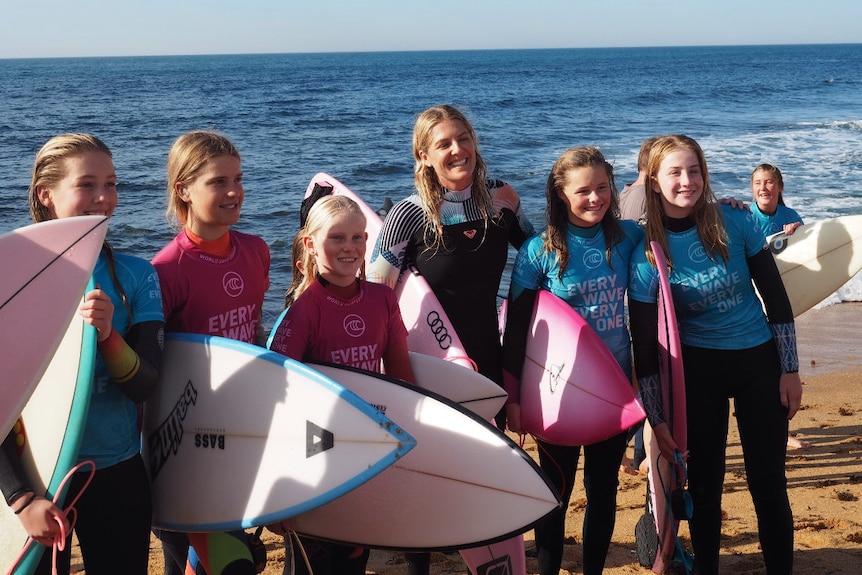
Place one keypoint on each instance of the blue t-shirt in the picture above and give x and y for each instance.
(716, 305)
(111, 431)
(776, 222)
(589, 285)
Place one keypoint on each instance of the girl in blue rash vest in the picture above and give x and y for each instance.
(730, 348)
(456, 229)
(767, 187)
(773, 216)
(73, 175)
(583, 225)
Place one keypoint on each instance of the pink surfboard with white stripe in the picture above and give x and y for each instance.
(46, 267)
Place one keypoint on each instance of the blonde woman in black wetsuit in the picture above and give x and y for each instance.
(456, 229)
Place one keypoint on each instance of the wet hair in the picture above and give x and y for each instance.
(319, 216)
(50, 166)
(425, 177)
(776, 173)
(706, 215)
(557, 212)
(187, 157)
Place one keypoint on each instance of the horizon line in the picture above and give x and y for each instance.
(536, 48)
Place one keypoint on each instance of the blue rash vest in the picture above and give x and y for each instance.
(592, 287)
(776, 222)
(715, 301)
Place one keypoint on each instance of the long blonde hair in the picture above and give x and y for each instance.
(187, 157)
(427, 183)
(50, 166)
(706, 214)
(302, 273)
(320, 214)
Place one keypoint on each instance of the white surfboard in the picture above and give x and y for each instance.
(469, 388)
(49, 433)
(466, 387)
(430, 330)
(238, 436)
(817, 259)
(464, 484)
(45, 269)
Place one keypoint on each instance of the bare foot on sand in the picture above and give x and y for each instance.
(794, 442)
(628, 466)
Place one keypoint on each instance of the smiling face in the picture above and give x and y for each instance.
(451, 153)
(679, 182)
(214, 198)
(88, 188)
(766, 187)
(587, 195)
(338, 247)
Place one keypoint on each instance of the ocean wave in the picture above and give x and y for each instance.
(851, 291)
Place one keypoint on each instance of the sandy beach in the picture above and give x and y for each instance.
(825, 481)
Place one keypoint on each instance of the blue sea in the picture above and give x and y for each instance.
(351, 115)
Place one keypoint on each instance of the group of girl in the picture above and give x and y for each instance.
(456, 228)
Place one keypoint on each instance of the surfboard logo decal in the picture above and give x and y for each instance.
(317, 439)
(778, 243)
(165, 440)
(555, 377)
(438, 328)
(497, 566)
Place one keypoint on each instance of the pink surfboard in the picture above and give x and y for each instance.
(46, 267)
(662, 479)
(573, 391)
(429, 329)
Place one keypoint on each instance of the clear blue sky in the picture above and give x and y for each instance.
(48, 28)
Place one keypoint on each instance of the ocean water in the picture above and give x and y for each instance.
(351, 115)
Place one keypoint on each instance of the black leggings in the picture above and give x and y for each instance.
(601, 478)
(113, 524)
(326, 558)
(751, 378)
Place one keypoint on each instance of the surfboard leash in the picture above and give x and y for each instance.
(70, 512)
(288, 547)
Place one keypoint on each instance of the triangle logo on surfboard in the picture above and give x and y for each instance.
(317, 439)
